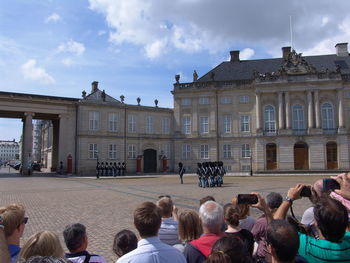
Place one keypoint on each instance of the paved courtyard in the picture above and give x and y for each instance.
(106, 206)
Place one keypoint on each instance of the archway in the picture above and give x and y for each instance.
(150, 161)
(271, 156)
(332, 155)
(301, 156)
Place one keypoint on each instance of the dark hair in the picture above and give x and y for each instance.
(283, 238)
(147, 219)
(124, 242)
(205, 199)
(74, 235)
(228, 249)
(231, 214)
(274, 200)
(331, 217)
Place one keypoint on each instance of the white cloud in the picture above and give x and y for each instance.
(247, 53)
(53, 18)
(196, 26)
(67, 62)
(72, 47)
(101, 32)
(31, 71)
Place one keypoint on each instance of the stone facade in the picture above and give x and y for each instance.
(9, 151)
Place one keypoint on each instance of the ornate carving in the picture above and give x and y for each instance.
(177, 78)
(156, 102)
(138, 101)
(195, 76)
(122, 97)
(296, 65)
(103, 95)
(83, 94)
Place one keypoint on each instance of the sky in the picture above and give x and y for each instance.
(136, 47)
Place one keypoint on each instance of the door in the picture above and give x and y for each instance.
(271, 156)
(332, 156)
(301, 156)
(150, 161)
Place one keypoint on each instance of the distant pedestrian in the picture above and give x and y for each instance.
(182, 170)
(123, 168)
(98, 168)
(61, 167)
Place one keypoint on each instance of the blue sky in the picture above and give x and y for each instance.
(135, 47)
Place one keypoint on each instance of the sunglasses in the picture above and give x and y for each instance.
(25, 220)
(161, 196)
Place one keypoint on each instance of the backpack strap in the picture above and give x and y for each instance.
(87, 258)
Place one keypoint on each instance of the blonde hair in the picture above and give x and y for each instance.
(13, 217)
(242, 209)
(44, 244)
(189, 225)
(166, 205)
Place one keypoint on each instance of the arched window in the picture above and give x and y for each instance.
(327, 116)
(269, 118)
(298, 117)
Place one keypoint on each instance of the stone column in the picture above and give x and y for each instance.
(55, 144)
(340, 109)
(257, 108)
(280, 111)
(317, 109)
(287, 102)
(310, 113)
(27, 143)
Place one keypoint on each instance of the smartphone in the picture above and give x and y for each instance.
(306, 191)
(330, 184)
(249, 199)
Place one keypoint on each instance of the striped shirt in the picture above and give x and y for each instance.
(168, 232)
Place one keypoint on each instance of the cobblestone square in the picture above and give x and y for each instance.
(106, 206)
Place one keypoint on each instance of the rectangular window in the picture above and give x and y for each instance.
(225, 100)
(227, 151)
(245, 123)
(149, 124)
(243, 99)
(93, 152)
(131, 151)
(245, 168)
(112, 151)
(203, 100)
(246, 153)
(186, 152)
(204, 124)
(131, 123)
(186, 102)
(94, 119)
(228, 168)
(204, 151)
(227, 123)
(113, 119)
(186, 125)
(166, 125)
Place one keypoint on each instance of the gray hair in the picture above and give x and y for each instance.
(40, 259)
(211, 214)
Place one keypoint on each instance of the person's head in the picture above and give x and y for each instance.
(124, 242)
(166, 206)
(211, 216)
(180, 164)
(283, 240)
(147, 219)
(242, 208)
(274, 200)
(41, 259)
(44, 244)
(205, 199)
(231, 215)
(228, 249)
(14, 220)
(199, 165)
(331, 218)
(189, 225)
(75, 237)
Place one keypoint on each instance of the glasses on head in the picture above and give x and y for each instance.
(161, 196)
(25, 220)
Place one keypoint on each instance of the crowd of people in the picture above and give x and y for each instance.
(214, 234)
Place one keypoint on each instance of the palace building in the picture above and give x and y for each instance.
(268, 115)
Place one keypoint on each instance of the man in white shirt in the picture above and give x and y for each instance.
(147, 220)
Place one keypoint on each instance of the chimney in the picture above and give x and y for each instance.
(285, 52)
(341, 49)
(234, 56)
(94, 86)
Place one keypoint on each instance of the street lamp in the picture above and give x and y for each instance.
(251, 163)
